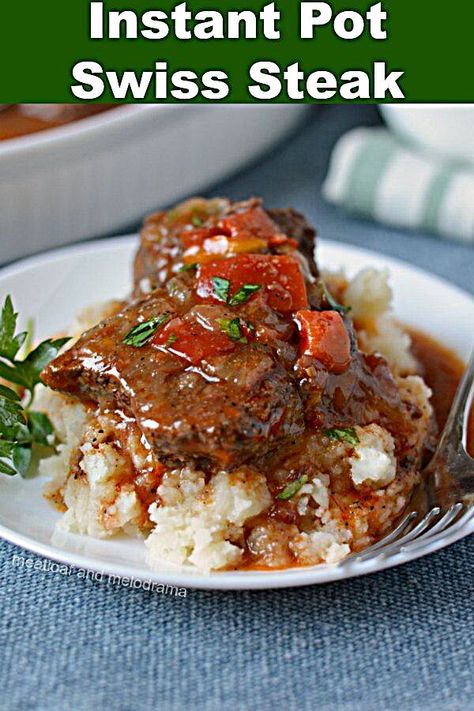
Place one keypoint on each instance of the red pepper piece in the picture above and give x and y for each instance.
(324, 336)
(279, 276)
(191, 341)
(253, 222)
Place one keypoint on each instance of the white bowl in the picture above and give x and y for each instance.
(446, 129)
(102, 173)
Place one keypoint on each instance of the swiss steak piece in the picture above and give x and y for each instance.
(184, 233)
(238, 349)
(197, 389)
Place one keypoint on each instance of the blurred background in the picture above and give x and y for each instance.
(398, 179)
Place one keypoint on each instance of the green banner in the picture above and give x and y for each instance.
(238, 51)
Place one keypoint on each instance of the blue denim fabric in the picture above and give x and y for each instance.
(397, 640)
(400, 639)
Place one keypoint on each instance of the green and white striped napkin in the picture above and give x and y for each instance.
(377, 176)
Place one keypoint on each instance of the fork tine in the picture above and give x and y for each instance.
(390, 537)
(427, 540)
(445, 520)
(424, 534)
(428, 531)
(384, 549)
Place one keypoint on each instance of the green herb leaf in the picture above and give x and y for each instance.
(42, 431)
(8, 393)
(20, 428)
(188, 267)
(27, 371)
(27, 346)
(343, 434)
(331, 301)
(13, 424)
(221, 288)
(140, 334)
(244, 294)
(21, 458)
(6, 449)
(18, 458)
(172, 339)
(232, 327)
(197, 221)
(292, 488)
(9, 343)
(7, 468)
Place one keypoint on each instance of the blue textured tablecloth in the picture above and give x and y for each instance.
(400, 639)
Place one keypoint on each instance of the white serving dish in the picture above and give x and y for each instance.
(102, 173)
(445, 129)
(53, 287)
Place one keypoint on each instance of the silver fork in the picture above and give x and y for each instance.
(435, 509)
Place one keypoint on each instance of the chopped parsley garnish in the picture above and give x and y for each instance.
(343, 434)
(172, 339)
(331, 301)
(244, 294)
(188, 267)
(22, 429)
(197, 221)
(221, 288)
(292, 488)
(233, 329)
(140, 334)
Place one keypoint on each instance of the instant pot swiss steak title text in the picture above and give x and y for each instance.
(267, 79)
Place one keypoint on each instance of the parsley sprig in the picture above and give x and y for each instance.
(244, 294)
(232, 328)
(142, 333)
(22, 430)
(292, 488)
(188, 267)
(221, 288)
(331, 301)
(343, 434)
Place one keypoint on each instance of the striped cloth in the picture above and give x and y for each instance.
(374, 175)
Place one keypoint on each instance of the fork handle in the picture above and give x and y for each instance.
(453, 435)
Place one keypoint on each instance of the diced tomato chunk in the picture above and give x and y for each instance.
(191, 341)
(254, 222)
(279, 276)
(324, 336)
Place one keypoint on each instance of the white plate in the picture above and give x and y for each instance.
(53, 287)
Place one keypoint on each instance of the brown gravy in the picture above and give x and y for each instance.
(15, 122)
(442, 370)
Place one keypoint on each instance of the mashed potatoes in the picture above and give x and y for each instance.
(202, 524)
